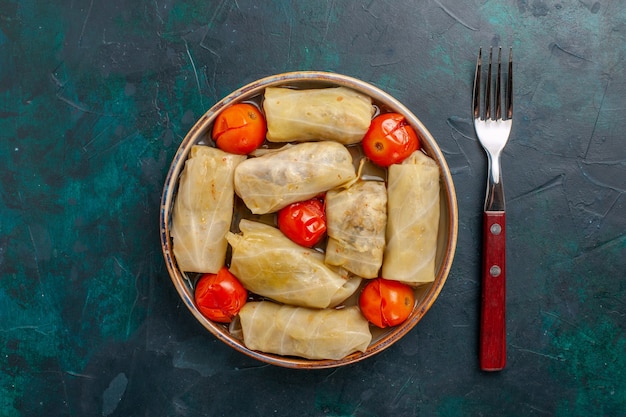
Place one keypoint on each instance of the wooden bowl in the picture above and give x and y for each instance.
(448, 227)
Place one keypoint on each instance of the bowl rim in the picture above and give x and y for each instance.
(250, 90)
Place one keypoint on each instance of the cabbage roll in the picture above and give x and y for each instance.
(203, 209)
(304, 332)
(293, 173)
(413, 223)
(269, 264)
(356, 218)
(339, 114)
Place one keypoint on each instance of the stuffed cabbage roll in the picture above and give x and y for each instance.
(293, 173)
(339, 114)
(413, 223)
(356, 219)
(269, 264)
(203, 209)
(304, 332)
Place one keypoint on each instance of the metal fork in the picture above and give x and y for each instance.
(493, 126)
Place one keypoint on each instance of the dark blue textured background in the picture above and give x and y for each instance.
(95, 97)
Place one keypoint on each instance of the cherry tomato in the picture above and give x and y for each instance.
(303, 222)
(239, 129)
(386, 303)
(220, 296)
(390, 139)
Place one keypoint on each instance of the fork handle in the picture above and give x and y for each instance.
(493, 300)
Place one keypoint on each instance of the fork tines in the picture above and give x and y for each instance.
(489, 112)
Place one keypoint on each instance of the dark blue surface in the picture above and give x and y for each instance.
(96, 96)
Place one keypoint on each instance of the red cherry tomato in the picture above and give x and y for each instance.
(220, 296)
(390, 139)
(303, 222)
(239, 129)
(386, 303)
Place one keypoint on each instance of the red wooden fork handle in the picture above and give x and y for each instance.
(493, 302)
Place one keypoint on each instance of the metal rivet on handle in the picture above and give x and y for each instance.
(495, 271)
(495, 229)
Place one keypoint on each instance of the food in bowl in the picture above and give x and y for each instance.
(291, 283)
(336, 113)
(204, 209)
(292, 173)
(305, 332)
(357, 220)
(363, 238)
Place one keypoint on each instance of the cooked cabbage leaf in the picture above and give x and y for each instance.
(271, 265)
(203, 209)
(304, 332)
(356, 219)
(339, 114)
(413, 222)
(294, 173)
